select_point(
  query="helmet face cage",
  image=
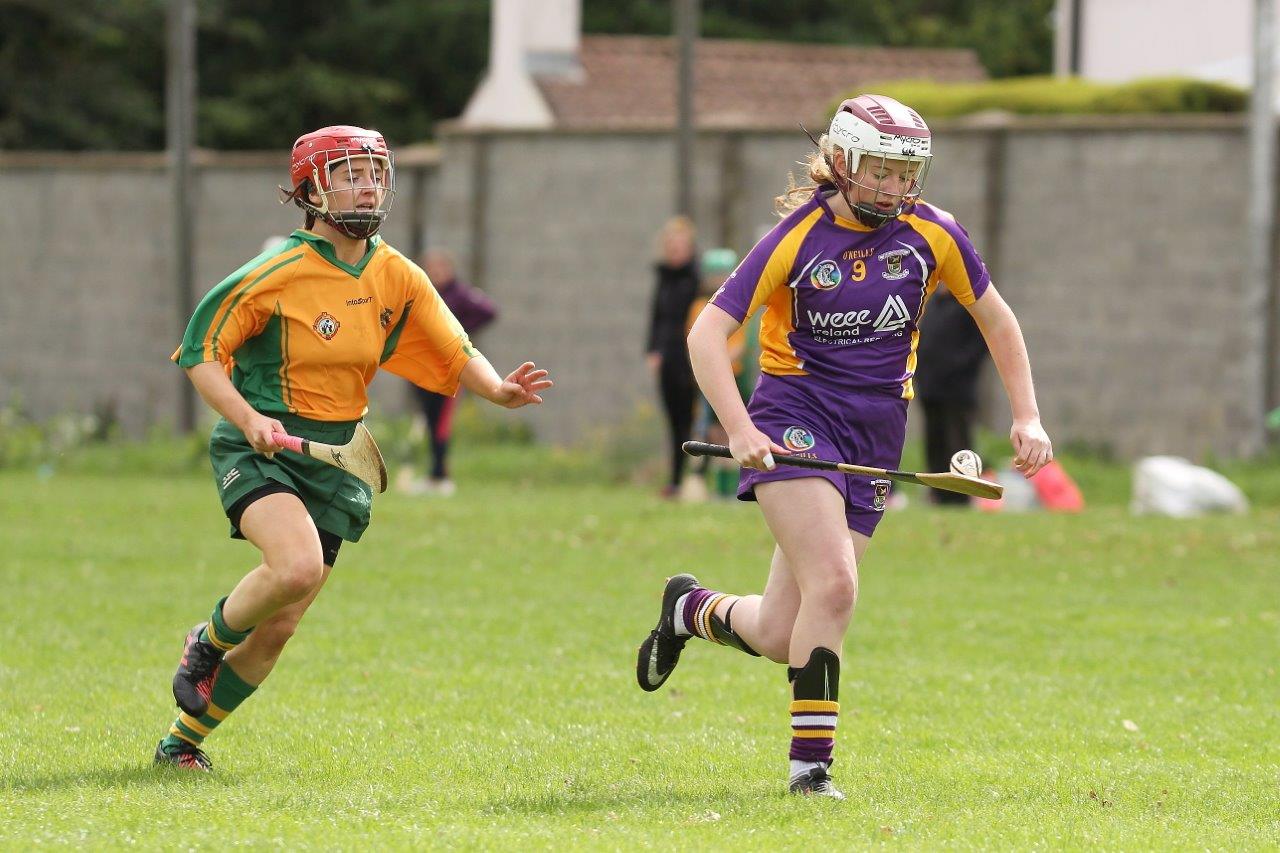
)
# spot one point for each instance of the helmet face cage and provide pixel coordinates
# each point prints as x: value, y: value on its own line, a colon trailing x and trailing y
x: 917, y: 167
x: 356, y: 186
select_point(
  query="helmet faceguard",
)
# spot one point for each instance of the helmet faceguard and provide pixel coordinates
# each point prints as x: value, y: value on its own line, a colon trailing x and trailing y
x: 351, y: 171
x: 879, y: 132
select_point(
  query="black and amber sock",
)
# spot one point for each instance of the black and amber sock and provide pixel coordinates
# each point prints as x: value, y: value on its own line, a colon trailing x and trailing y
x: 219, y: 634
x: 229, y: 690
x: 815, y: 708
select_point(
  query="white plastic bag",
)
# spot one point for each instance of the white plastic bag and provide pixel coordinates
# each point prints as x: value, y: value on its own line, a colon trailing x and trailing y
x: 1170, y: 485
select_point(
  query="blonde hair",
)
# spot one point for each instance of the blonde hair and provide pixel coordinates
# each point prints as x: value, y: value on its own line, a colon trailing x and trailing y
x: 679, y: 223
x: 819, y: 172
x: 675, y: 225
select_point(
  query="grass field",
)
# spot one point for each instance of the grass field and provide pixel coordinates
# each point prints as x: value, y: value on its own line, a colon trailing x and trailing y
x: 466, y: 680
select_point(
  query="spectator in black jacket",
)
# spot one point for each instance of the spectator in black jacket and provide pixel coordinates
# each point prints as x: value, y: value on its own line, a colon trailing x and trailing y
x: 949, y: 359
x: 667, y: 352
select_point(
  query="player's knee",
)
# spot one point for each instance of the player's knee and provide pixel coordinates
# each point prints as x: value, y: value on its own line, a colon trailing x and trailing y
x: 837, y: 587
x: 296, y: 575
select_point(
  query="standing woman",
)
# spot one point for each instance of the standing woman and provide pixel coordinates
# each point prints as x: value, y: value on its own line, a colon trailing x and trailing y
x: 289, y: 343
x: 474, y: 311
x: 667, y: 353
x: 844, y: 280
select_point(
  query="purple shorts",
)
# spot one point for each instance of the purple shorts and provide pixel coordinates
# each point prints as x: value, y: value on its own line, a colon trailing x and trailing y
x: 864, y: 429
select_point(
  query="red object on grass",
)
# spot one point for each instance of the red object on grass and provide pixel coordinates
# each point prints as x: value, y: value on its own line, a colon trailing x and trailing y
x: 1056, y: 490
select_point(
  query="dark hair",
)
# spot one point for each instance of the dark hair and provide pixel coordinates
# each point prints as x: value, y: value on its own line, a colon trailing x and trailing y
x: 299, y: 196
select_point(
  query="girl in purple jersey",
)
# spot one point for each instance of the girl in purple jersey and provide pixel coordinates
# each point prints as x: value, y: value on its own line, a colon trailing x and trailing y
x: 843, y: 280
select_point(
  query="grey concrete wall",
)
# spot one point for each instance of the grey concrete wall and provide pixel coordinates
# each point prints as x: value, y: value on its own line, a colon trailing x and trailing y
x: 1124, y: 255
x: 88, y: 309
x: 1120, y: 245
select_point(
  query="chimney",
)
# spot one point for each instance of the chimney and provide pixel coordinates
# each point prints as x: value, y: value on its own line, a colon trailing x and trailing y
x: 552, y: 39
x: 526, y: 37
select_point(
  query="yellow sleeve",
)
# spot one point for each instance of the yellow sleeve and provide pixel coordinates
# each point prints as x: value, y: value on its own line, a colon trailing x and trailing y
x: 235, y: 310
x: 425, y: 343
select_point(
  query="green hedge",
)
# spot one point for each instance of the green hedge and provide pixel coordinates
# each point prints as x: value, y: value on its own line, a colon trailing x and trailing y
x: 1056, y: 96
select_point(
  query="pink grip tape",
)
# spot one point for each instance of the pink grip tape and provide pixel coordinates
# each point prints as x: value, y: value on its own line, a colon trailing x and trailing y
x: 290, y: 442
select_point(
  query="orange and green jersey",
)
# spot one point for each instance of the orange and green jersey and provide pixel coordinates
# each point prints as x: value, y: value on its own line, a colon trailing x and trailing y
x: 842, y: 301
x: 303, y: 333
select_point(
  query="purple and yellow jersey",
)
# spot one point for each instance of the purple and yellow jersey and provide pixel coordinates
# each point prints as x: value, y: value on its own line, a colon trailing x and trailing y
x: 304, y: 333
x: 842, y: 301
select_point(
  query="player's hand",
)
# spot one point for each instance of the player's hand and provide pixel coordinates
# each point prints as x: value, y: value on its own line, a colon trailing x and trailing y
x: 257, y: 429
x: 521, y: 387
x: 753, y: 449
x: 1032, y: 449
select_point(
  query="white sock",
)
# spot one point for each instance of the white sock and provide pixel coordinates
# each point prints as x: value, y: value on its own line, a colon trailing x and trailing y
x: 682, y: 630
x: 800, y: 768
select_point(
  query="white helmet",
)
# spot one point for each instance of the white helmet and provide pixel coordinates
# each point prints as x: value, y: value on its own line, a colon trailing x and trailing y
x: 878, y: 126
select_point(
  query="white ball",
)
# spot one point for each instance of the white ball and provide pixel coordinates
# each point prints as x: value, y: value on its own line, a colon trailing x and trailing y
x: 966, y: 462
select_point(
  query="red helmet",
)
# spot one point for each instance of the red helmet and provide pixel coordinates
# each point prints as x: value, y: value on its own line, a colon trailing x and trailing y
x: 359, y: 205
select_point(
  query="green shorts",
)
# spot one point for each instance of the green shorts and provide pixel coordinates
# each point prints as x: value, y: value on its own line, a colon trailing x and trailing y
x: 335, y: 500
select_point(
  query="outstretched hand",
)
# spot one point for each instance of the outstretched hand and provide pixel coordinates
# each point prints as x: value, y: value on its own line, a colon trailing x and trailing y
x: 521, y: 387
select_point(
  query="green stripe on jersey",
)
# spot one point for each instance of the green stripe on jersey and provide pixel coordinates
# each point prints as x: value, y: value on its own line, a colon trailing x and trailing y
x: 192, y: 351
x: 243, y: 291
x: 394, y: 338
x: 259, y: 366
x: 284, y: 359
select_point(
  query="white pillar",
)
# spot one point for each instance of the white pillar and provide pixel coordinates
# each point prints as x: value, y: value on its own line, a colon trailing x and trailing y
x: 507, y: 97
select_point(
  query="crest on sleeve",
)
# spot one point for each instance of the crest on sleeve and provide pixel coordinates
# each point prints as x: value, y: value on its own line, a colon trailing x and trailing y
x: 326, y: 325
x: 881, y: 494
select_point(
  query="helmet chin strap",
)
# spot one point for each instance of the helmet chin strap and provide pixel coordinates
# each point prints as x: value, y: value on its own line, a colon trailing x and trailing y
x: 869, y: 216
x: 359, y: 226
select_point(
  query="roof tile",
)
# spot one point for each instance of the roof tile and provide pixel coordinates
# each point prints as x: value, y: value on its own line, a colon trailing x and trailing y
x: 630, y: 81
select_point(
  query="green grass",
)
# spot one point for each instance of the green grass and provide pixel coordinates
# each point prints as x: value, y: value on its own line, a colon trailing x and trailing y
x: 466, y: 679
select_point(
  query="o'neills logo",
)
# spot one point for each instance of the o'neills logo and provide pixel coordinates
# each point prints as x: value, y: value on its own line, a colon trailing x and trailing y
x: 326, y: 326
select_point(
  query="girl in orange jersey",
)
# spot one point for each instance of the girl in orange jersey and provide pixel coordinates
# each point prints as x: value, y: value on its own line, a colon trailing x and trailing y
x: 289, y: 343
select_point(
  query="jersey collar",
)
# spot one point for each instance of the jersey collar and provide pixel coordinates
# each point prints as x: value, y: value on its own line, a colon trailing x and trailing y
x: 325, y: 250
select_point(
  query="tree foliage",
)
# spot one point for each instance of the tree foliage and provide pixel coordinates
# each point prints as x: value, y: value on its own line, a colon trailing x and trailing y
x: 1011, y: 38
x: 89, y: 74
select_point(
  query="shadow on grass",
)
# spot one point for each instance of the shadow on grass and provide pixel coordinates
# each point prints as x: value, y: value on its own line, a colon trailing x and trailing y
x: 136, y: 776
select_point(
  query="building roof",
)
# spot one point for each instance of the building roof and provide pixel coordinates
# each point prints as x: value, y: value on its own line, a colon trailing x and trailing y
x: 630, y: 81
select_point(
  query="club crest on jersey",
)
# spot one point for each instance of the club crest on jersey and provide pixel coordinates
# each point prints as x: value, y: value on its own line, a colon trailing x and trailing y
x: 326, y: 325
x: 798, y: 438
x: 881, y: 494
x: 893, y: 268
x: 825, y: 276
x: 384, y: 317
